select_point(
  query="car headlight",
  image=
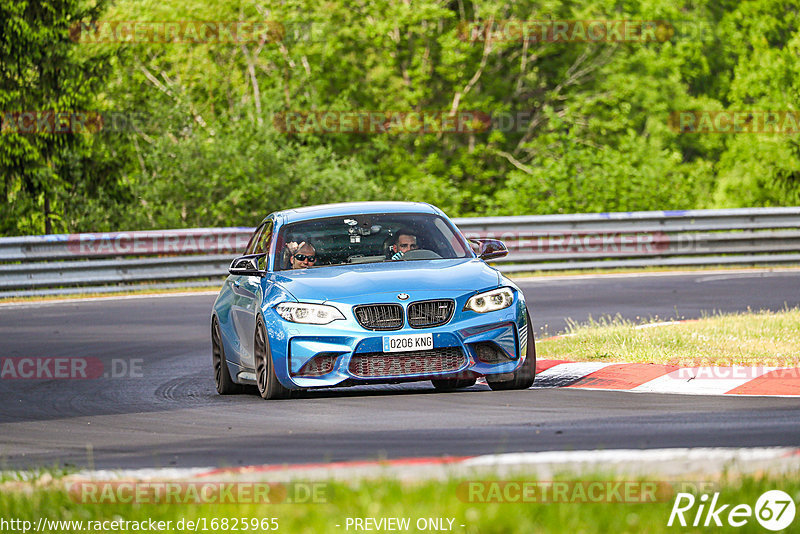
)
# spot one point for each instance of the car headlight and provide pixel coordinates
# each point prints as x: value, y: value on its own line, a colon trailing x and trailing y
x: 301, y: 312
x: 489, y: 301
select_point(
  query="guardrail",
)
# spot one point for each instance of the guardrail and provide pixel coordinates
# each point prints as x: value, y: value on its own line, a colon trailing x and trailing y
x: 100, y: 262
x: 103, y: 262
x: 746, y: 236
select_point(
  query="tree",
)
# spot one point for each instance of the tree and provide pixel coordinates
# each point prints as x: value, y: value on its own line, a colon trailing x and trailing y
x: 49, y: 159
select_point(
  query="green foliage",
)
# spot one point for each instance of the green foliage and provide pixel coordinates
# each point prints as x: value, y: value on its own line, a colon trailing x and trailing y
x: 48, y: 177
x: 596, y: 138
x: 763, y: 170
x: 568, y: 176
x: 240, y: 174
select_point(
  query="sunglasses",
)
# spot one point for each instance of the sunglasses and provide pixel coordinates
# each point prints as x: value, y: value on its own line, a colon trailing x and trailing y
x: 303, y: 257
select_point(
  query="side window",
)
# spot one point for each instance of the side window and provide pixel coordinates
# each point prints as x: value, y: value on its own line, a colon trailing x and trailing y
x: 251, y: 245
x: 264, y: 240
x: 262, y: 245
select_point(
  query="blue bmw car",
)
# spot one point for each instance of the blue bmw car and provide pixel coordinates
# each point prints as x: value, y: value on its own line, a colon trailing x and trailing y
x: 364, y: 293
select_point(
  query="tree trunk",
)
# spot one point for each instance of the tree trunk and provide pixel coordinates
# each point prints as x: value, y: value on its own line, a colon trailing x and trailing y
x: 48, y: 224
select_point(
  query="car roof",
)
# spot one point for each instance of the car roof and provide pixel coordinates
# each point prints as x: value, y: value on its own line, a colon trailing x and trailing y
x: 352, y: 208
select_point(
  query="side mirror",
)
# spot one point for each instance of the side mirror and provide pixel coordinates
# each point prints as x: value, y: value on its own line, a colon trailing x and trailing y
x: 246, y: 265
x: 489, y: 249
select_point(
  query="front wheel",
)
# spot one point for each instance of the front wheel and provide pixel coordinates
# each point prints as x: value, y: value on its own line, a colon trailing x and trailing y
x: 267, y: 382
x: 523, y: 377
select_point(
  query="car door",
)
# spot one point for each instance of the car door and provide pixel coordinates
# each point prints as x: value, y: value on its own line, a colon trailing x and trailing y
x: 247, y: 300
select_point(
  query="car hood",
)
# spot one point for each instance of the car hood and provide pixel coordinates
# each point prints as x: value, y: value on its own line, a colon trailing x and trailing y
x: 340, y: 282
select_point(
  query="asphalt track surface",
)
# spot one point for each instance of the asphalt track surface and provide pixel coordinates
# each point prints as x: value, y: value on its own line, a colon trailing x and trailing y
x: 169, y: 414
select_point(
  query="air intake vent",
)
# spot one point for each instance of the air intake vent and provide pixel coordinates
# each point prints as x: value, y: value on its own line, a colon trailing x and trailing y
x: 319, y: 365
x: 413, y: 363
x: 380, y: 316
x: 429, y: 313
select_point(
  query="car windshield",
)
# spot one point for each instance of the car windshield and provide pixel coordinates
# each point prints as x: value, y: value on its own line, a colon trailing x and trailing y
x: 372, y: 238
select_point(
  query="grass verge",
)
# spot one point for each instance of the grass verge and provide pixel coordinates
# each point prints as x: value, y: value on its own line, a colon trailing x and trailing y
x: 457, y: 505
x: 121, y: 293
x: 754, y: 338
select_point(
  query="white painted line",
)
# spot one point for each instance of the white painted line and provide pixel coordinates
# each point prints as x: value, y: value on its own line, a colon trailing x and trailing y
x: 655, y: 325
x: 40, y: 303
x: 703, y: 380
x: 590, y: 276
x: 141, y: 474
x: 710, y: 459
x: 570, y: 371
x: 630, y: 455
x: 718, y: 277
x: 762, y: 395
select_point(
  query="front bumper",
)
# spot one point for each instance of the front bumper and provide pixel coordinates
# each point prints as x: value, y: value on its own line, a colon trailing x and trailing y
x: 344, y: 353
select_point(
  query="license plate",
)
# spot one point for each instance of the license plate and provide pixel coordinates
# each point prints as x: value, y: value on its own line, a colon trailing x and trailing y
x: 407, y: 342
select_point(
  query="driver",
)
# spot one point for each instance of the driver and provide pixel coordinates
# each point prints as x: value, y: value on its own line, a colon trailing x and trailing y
x: 405, y: 240
x: 302, y: 255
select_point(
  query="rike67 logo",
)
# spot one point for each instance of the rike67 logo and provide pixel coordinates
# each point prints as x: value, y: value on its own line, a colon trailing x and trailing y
x: 774, y: 510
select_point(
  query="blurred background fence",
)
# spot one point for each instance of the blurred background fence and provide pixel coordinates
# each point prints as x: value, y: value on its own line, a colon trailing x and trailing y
x: 199, y: 257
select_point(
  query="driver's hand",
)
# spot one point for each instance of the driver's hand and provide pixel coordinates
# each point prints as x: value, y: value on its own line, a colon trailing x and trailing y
x: 293, y: 246
x: 397, y: 256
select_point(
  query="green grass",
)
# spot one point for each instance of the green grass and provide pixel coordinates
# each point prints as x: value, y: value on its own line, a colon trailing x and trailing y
x: 755, y: 338
x: 44, y: 474
x: 391, y: 498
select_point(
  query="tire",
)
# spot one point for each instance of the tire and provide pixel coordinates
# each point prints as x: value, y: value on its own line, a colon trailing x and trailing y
x: 267, y: 382
x: 526, y: 373
x: 222, y: 375
x: 443, y: 384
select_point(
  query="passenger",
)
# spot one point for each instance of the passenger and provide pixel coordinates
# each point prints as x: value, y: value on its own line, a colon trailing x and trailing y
x: 405, y: 240
x: 301, y: 255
